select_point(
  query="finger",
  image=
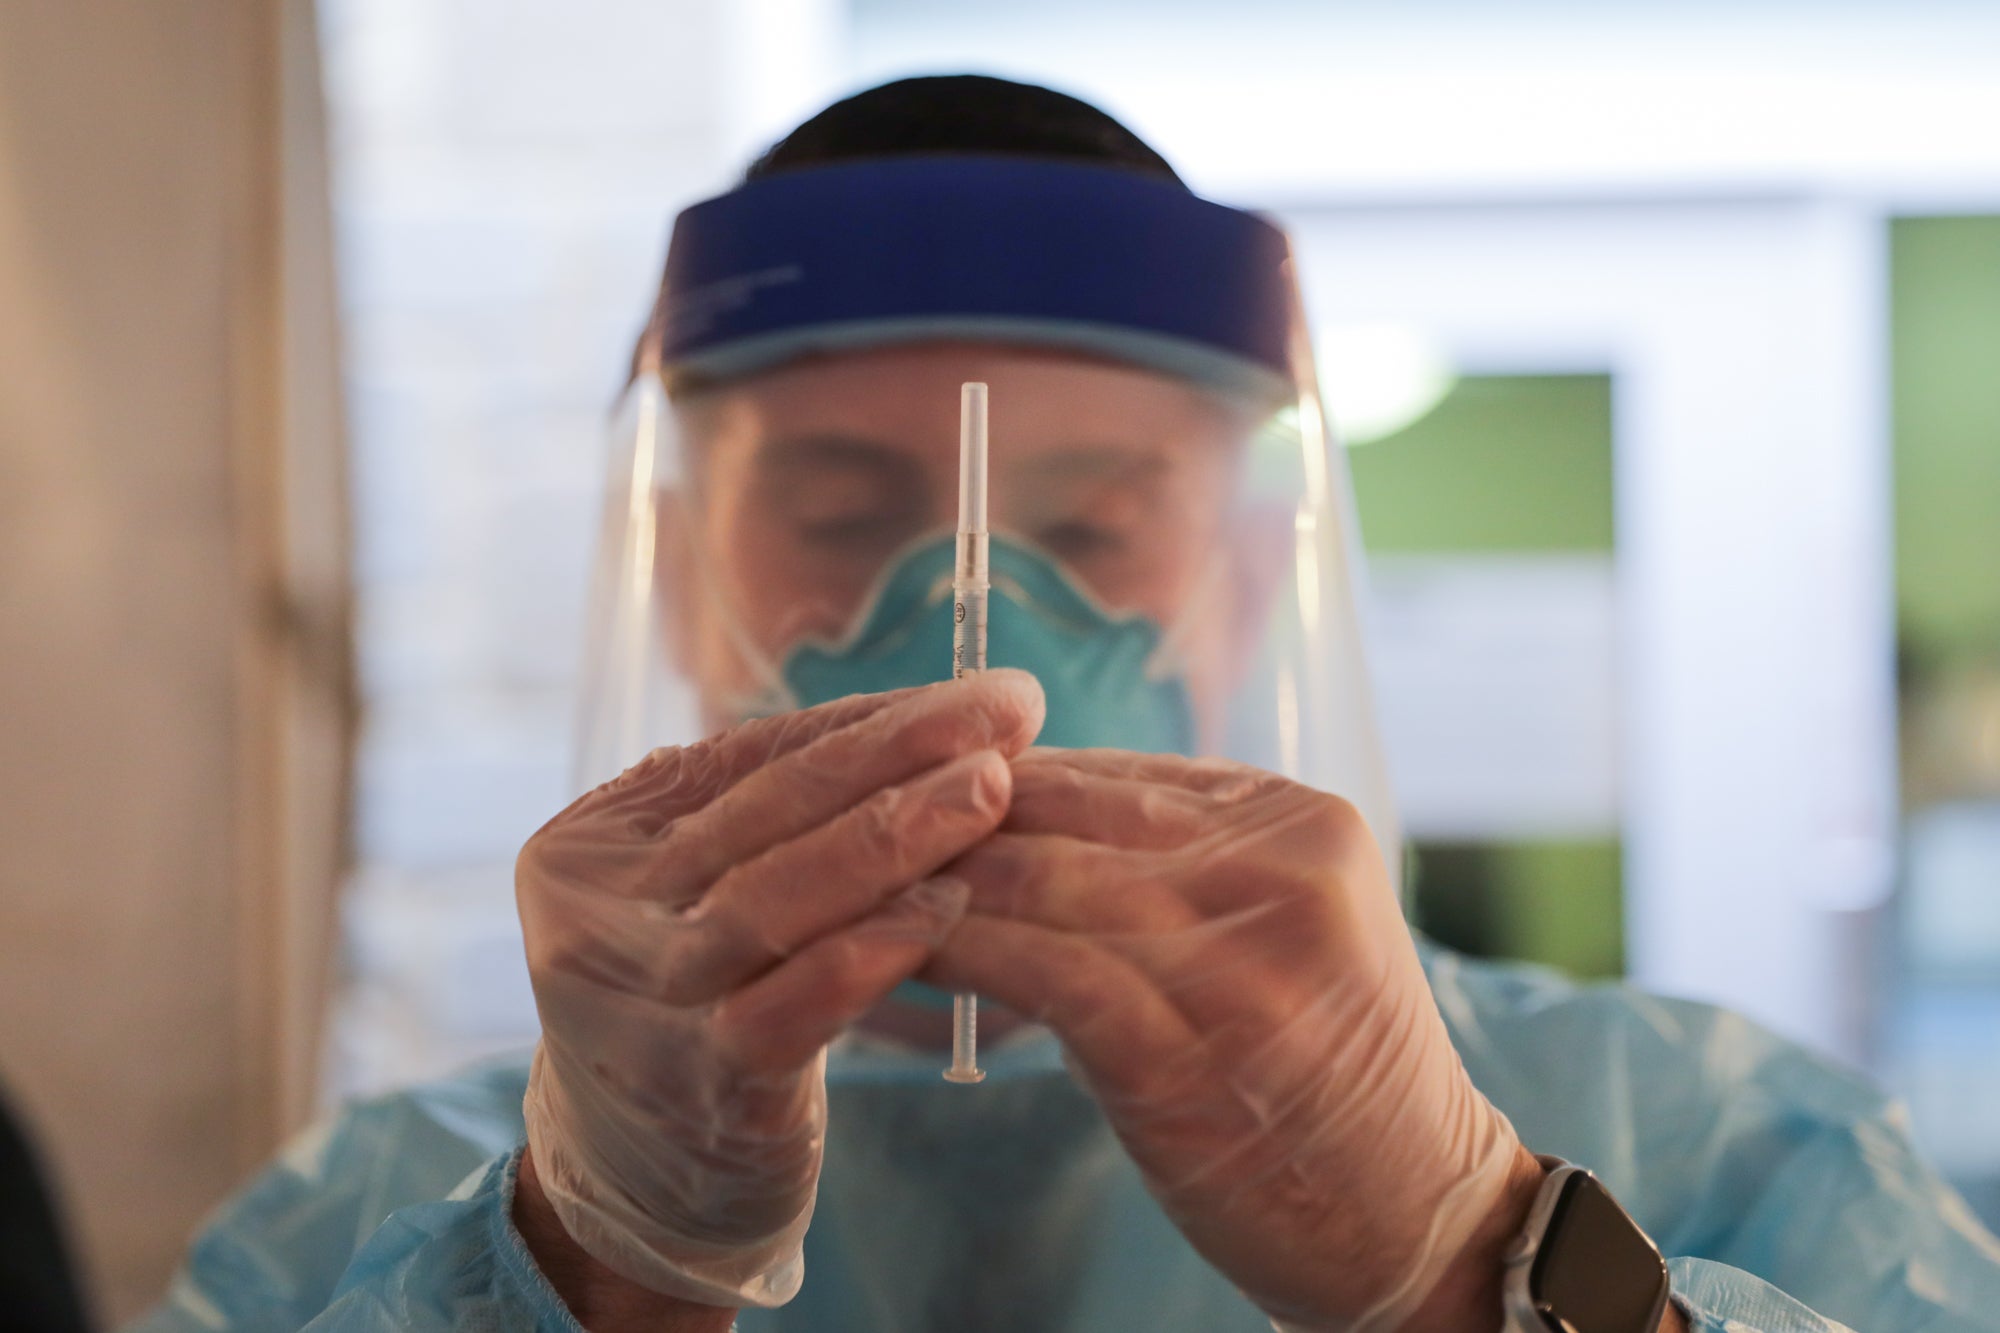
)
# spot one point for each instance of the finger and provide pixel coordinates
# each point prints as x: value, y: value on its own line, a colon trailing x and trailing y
x: 1072, y: 885
x: 996, y: 710
x: 1194, y: 813
x: 780, y: 1021
x: 1123, y: 812
x: 1219, y: 779
x: 774, y: 905
x: 1077, y: 882
x: 1106, y: 1011
x: 1220, y: 947
x: 676, y: 778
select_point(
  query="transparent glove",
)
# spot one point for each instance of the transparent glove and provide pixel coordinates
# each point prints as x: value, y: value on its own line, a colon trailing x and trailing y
x: 699, y: 928
x: 1226, y: 963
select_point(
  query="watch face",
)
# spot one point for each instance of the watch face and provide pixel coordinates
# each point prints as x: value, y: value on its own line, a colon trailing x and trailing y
x: 1595, y: 1271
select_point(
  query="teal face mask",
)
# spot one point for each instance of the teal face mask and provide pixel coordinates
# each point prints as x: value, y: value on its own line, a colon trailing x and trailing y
x: 1102, y: 675
x: 1105, y: 677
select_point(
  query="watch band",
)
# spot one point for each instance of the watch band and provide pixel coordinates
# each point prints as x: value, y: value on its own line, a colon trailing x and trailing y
x: 1588, y: 1269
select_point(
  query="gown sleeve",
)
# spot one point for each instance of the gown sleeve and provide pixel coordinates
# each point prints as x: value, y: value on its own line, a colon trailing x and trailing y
x: 395, y: 1213
x: 1784, y: 1189
x: 454, y: 1264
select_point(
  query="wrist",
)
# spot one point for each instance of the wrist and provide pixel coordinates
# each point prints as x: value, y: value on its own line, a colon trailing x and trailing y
x: 600, y: 1298
x: 1468, y: 1297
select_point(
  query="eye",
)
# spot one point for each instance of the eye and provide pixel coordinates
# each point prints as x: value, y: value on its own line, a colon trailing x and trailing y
x: 838, y: 498
x: 1075, y: 540
x: 862, y: 533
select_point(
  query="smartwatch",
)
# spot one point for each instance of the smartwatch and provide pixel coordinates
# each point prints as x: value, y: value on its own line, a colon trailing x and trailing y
x: 1582, y: 1265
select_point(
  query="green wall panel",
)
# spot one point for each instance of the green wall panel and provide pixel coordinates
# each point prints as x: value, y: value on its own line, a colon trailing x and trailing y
x: 1514, y: 463
x: 1945, y: 375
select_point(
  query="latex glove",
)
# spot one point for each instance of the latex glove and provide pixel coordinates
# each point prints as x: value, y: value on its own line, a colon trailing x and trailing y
x: 699, y: 928
x: 1224, y: 959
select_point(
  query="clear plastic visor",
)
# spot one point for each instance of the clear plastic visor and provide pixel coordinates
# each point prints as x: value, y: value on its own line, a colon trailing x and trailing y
x: 1175, y: 561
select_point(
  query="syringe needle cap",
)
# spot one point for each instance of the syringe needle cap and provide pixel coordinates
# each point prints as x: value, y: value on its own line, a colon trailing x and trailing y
x: 972, y: 457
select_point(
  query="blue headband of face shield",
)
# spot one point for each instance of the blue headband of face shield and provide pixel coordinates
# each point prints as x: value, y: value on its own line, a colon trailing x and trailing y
x: 990, y: 248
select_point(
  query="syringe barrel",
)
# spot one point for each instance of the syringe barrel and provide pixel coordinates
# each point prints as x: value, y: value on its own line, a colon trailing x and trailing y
x: 968, y: 620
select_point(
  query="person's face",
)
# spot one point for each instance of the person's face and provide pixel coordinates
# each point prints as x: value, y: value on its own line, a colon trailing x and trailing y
x: 808, y: 479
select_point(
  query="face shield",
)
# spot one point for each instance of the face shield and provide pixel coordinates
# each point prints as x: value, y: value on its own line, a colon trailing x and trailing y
x: 1173, y: 550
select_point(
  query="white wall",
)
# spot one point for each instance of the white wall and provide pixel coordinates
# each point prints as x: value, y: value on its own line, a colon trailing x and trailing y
x: 506, y: 176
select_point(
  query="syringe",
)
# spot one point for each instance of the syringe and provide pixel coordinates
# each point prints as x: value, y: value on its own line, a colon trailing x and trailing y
x: 969, y: 587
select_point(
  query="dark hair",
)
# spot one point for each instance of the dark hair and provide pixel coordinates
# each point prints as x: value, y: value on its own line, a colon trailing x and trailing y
x: 960, y: 113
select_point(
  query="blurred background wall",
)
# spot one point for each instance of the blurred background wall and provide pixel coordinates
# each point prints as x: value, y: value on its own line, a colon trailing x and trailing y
x: 1666, y: 337
x: 174, y: 699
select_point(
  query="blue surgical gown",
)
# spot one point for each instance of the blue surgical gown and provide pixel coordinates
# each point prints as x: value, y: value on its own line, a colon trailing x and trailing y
x: 1784, y: 1190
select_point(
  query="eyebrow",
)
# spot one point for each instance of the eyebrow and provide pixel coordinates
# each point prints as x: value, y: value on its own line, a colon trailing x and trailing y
x: 1096, y: 462
x: 819, y: 449
x: 800, y: 453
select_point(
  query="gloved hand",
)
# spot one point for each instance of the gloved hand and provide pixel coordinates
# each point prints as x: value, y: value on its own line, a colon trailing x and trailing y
x: 700, y: 927
x: 1223, y: 956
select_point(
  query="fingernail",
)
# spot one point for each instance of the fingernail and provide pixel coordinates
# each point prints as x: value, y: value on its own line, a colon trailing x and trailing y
x: 977, y: 783
x: 1024, y: 688
x: 943, y: 896
x: 925, y: 912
